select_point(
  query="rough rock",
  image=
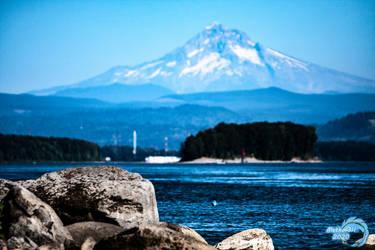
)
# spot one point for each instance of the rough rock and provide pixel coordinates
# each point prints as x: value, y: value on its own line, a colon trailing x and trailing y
x: 153, y: 236
x: 248, y: 239
x: 20, y: 243
x: 3, y: 245
x: 370, y: 243
x: 28, y: 219
x: 88, y: 244
x: 97, y: 230
x: 4, y: 187
x: 106, y: 194
x: 184, y: 230
x: 52, y: 246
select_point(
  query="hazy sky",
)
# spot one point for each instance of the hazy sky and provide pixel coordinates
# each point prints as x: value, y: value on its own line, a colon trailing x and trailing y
x: 50, y: 43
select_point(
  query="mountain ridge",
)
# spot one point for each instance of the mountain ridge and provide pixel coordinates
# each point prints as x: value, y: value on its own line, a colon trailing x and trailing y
x: 101, y: 122
x: 275, y: 104
x: 118, y: 93
x: 28, y: 101
x: 222, y: 59
x: 268, y: 104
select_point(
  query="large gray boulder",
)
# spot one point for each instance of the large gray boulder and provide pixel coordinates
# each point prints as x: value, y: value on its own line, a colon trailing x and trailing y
x: 154, y: 236
x: 28, y: 220
x: 106, y: 194
x: 187, y: 231
x: 4, y: 187
x: 81, y: 231
x: 254, y: 239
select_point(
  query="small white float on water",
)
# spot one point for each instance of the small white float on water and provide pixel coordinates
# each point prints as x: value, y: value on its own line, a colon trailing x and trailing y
x: 162, y: 159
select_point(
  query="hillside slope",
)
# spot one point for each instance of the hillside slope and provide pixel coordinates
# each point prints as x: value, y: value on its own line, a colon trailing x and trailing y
x: 357, y: 127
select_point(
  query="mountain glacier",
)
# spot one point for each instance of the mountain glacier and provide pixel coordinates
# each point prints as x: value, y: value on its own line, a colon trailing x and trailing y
x: 223, y: 59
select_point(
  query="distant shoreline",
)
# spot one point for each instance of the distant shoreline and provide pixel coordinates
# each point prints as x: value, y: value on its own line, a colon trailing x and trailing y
x: 207, y: 160
x: 202, y: 160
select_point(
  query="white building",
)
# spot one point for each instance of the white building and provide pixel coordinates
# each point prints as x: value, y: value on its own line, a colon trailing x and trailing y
x: 162, y: 159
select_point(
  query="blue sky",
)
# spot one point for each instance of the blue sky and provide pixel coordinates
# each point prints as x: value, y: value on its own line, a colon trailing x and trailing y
x: 51, y: 43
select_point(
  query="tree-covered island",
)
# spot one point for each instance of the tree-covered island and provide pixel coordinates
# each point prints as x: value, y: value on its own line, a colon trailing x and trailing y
x: 262, y: 140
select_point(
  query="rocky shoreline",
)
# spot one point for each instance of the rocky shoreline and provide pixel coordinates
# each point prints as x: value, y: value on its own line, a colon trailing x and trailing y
x: 98, y: 208
x: 101, y: 207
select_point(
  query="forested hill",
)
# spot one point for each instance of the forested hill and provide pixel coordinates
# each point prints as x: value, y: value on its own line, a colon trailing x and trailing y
x: 262, y: 140
x: 356, y: 127
x: 36, y: 148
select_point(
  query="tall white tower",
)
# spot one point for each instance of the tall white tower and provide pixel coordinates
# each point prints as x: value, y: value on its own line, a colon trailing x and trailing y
x: 134, y: 142
x: 166, y: 144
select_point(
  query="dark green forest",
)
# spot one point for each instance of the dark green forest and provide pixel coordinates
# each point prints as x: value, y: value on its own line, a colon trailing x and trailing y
x: 125, y: 153
x: 353, y: 127
x: 345, y: 151
x: 262, y: 140
x: 36, y: 148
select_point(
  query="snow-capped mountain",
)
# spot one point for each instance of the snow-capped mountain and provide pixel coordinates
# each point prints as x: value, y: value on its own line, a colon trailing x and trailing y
x: 222, y: 59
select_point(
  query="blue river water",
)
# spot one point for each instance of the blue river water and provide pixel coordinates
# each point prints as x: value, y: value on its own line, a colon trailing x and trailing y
x: 294, y: 203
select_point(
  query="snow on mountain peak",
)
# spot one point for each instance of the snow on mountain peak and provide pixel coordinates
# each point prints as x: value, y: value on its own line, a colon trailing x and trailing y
x: 206, y: 65
x: 171, y: 64
x: 220, y: 59
x: 289, y: 60
x: 194, y: 52
x: 215, y: 25
x: 247, y: 54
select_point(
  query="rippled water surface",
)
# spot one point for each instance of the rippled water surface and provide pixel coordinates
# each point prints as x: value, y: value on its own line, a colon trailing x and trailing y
x: 294, y: 203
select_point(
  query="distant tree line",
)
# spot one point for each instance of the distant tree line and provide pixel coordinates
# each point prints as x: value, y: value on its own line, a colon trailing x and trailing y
x: 125, y: 153
x: 266, y: 141
x: 262, y: 140
x: 345, y: 151
x: 36, y: 148
x: 354, y: 127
